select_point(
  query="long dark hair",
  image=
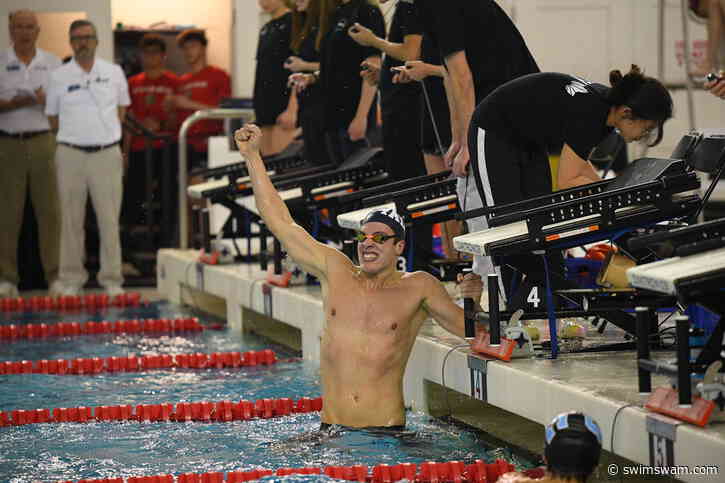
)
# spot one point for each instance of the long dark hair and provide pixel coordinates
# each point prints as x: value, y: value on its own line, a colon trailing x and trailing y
x: 319, y: 14
x: 645, y: 96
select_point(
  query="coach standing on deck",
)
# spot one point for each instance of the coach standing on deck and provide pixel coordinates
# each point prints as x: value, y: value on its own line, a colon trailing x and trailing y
x: 87, y: 100
x: 481, y: 49
x: 27, y: 148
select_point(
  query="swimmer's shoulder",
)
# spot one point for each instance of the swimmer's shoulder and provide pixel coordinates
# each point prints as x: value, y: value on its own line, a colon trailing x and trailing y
x: 425, y: 285
x: 336, y: 260
x: 419, y: 279
x: 420, y: 275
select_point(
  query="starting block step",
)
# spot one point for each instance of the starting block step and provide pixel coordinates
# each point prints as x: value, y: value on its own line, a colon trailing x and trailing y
x: 665, y: 400
x: 510, y: 347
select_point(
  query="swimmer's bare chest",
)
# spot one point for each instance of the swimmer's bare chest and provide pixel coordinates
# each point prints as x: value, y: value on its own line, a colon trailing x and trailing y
x: 373, y: 327
x: 368, y: 336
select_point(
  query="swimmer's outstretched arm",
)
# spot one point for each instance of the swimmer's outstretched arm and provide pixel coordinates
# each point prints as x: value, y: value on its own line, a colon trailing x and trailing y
x: 303, y: 249
x: 440, y: 305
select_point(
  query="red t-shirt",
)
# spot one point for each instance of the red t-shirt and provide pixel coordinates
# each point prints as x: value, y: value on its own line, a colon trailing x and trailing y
x: 147, y: 97
x: 207, y: 86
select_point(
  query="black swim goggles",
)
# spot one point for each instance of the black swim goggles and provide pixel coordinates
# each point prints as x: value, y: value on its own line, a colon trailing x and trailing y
x: 378, y: 238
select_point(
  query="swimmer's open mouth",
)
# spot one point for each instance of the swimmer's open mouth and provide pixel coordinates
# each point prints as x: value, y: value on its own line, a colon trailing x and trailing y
x: 370, y: 256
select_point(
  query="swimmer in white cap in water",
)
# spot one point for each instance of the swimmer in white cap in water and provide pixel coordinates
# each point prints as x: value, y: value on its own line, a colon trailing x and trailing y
x: 573, y: 446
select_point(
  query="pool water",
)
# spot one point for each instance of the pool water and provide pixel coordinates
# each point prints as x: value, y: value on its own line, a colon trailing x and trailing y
x: 70, y: 451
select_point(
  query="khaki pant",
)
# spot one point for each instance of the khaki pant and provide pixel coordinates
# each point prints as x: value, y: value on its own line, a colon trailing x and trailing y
x: 28, y: 164
x: 100, y: 174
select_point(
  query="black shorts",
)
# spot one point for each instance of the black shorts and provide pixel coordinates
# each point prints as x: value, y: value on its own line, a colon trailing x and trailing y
x: 383, y: 430
x: 310, y: 116
x: 328, y: 431
x: 439, y: 105
x: 506, y: 172
x: 401, y: 143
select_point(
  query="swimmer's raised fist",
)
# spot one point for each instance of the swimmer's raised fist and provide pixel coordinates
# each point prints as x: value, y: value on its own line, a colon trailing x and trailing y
x: 248, y: 138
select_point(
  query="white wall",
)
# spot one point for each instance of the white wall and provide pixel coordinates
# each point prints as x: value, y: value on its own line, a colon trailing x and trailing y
x: 97, y: 11
x: 592, y: 37
x: 54, y: 31
x: 248, y: 20
x: 213, y: 15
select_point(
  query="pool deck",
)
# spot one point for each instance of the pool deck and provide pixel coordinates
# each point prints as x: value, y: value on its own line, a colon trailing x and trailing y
x: 601, y: 384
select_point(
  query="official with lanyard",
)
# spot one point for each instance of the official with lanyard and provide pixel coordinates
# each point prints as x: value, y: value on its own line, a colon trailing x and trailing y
x: 87, y: 100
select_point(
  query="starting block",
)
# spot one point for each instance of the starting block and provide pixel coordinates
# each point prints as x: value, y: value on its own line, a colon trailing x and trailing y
x: 665, y: 400
x: 278, y: 280
x: 289, y: 273
x: 712, y: 386
x: 209, y: 258
x: 515, y: 341
x: 219, y: 254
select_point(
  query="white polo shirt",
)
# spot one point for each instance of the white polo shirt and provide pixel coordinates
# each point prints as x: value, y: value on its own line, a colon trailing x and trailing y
x: 16, y: 78
x: 86, y: 103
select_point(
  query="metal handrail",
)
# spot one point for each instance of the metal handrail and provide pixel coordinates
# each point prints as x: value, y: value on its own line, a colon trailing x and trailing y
x: 197, y: 116
x: 686, y: 52
x: 136, y: 128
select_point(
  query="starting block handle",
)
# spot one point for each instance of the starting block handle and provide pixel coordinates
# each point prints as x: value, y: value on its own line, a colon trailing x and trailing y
x: 469, y: 313
x: 277, y: 257
x: 469, y: 309
x: 494, y: 318
x: 262, y: 245
x: 684, y: 387
x: 643, y: 316
x: 205, y: 236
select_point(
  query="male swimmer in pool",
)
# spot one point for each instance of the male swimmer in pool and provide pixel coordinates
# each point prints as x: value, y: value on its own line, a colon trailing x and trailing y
x: 373, y: 311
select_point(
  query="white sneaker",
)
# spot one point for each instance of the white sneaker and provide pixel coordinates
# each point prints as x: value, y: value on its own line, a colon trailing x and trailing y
x: 113, y: 290
x: 58, y: 288
x: 8, y: 289
x: 128, y: 270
